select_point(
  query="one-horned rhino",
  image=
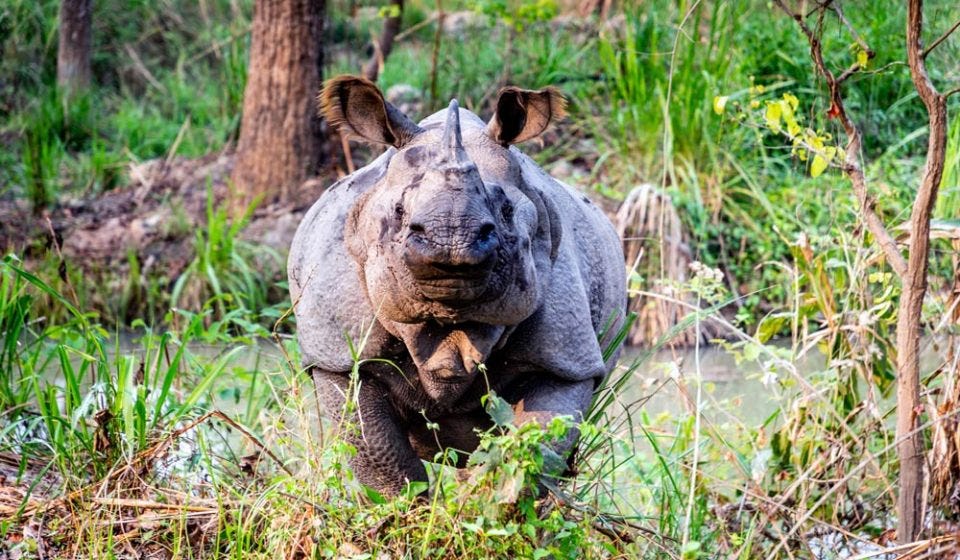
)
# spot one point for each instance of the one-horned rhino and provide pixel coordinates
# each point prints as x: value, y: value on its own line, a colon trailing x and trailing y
x: 462, y: 267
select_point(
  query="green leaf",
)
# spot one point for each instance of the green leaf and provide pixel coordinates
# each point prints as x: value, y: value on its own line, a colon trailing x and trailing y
x: 414, y: 489
x: 391, y: 11
x: 499, y: 410
x: 373, y: 495
x: 818, y: 166
x: 691, y: 550
x: 770, y: 326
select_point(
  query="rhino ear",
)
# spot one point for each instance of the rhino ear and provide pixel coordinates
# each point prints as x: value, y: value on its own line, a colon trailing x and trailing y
x: 523, y: 114
x: 357, y: 108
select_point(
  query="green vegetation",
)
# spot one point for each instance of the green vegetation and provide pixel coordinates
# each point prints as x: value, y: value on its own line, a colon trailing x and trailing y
x: 191, y: 432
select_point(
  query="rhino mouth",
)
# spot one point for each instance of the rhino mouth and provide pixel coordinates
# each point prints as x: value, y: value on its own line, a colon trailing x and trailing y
x: 454, y: 289
x: 455, y: 283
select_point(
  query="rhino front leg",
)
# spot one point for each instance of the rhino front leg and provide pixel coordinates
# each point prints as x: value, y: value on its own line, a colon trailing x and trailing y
x: 385, y: 459
x: 542, y: 399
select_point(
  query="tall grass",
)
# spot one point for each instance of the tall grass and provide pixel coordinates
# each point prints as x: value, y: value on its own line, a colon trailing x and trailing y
x: 165, y: 77
x: 226, y: 268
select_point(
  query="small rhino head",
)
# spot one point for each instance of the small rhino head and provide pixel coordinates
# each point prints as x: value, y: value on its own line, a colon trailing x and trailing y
x: 450, y: 231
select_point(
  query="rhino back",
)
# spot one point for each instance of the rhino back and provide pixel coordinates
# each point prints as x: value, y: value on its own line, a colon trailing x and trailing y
x: 328, y: 300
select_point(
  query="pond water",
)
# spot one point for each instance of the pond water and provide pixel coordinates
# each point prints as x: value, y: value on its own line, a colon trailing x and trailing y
x: 667, y: 381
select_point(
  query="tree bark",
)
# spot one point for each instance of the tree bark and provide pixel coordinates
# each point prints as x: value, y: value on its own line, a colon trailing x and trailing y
x: 75, y: 45
x: 280, y: 137
x: 910, y: 447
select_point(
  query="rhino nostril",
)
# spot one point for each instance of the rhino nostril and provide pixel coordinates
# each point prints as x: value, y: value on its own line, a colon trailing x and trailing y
x: 486, y: 230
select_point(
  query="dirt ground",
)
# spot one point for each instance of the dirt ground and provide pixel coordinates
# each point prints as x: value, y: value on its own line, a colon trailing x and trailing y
x: 155, y: 216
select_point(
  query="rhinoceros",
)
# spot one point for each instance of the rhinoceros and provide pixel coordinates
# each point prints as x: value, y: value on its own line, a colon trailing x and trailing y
x: 450, y: 266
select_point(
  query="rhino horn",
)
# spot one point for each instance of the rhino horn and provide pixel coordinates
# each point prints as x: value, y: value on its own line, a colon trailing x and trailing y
x: 452, y: 141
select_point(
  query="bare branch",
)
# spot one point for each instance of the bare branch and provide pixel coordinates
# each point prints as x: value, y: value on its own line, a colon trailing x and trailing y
x: 850, y: 71
x: 856, y: 36
x: 953, y: 91
x: 941, y: 39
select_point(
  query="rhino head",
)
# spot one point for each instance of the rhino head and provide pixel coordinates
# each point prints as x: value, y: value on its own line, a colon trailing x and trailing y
x: 452, y: 245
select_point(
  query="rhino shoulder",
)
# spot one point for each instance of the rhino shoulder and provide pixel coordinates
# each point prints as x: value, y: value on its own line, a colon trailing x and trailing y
x: 585, y: 300
x: 327, y: 297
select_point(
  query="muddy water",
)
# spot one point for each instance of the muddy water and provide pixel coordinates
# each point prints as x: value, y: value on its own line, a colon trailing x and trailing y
x: 669, y: 381
x: 743, y: 391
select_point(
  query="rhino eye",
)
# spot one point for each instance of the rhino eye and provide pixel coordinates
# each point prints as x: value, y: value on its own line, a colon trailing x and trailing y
x: 398, y: 211
x: 507, y: 211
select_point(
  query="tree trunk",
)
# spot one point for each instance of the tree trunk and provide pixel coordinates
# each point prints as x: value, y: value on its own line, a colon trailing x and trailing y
x: 910, y: 447
x: 73, y: 52
x: 280, y: 138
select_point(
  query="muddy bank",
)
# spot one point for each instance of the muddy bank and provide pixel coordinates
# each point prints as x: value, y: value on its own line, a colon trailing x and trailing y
x: 155, y: 216
x: 144, y: 233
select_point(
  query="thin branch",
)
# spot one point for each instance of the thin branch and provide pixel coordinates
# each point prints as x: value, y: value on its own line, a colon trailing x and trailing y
x: 953, y: 91
x: 941, y: 39
x: 910, y: 502
x: 383, y: 45
x: 852, y: 164
x: 856, y: 36
x: 850, y: 71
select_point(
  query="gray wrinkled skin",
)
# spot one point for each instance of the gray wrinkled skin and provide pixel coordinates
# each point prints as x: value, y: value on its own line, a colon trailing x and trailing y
x: 449, y: 252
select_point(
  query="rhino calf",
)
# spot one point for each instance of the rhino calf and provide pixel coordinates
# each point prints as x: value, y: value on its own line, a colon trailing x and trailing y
x: 450, y: 251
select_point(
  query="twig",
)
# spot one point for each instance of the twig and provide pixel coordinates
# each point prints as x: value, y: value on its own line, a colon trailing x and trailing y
x: 856, y: 469
x: 414, y: 28
x: 215, y: 46
x: 940, y: 39
x: 150, y: 504
x: 142, y: 68
x: 853, y: 31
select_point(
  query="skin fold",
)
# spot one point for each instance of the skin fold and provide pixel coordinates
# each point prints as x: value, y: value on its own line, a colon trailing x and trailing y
x: 449, y: 252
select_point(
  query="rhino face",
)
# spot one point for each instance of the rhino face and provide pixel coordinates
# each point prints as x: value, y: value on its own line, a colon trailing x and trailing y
x: 453, y: 233
x: 448, y: 233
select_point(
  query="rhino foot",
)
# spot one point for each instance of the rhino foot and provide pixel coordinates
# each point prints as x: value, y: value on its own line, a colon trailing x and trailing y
x: 385, y: 460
